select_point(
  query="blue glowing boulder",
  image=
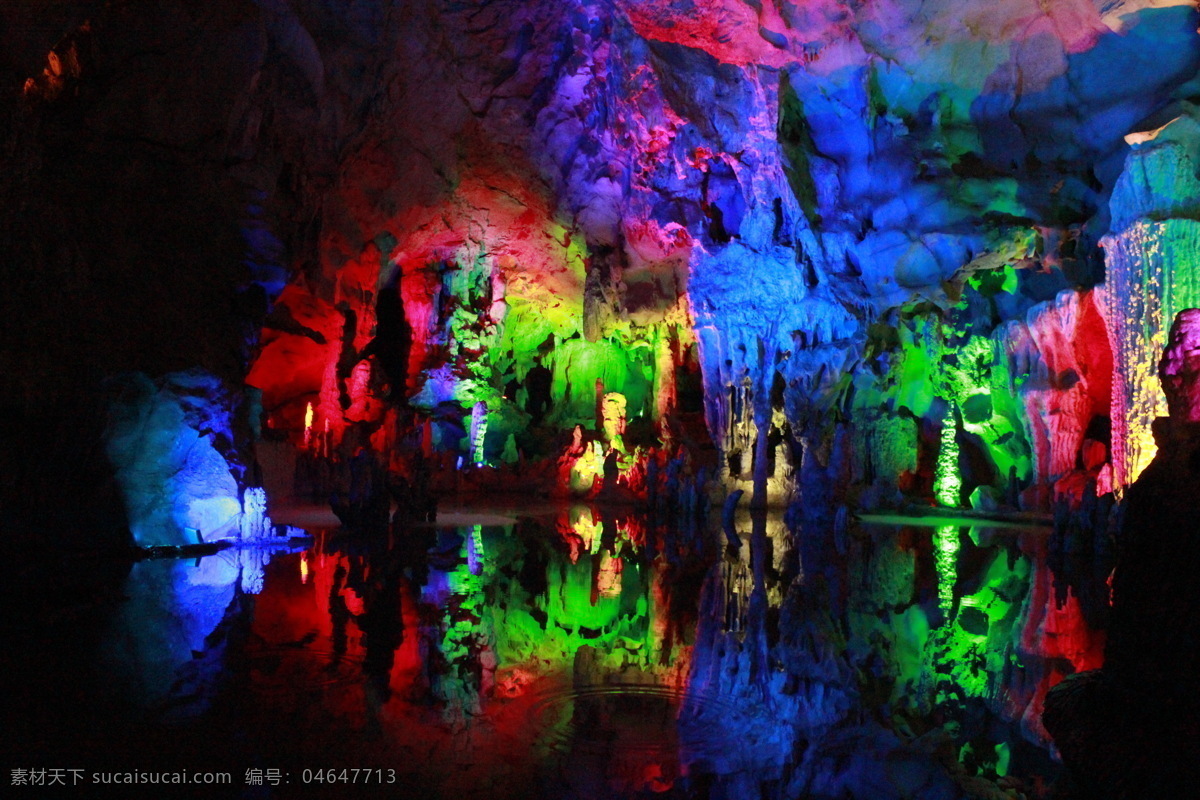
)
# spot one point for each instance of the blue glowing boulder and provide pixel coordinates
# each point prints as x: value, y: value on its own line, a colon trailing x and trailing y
x: 178, y: 488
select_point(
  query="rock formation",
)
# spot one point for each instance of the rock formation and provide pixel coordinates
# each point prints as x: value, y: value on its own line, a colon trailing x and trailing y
x: 780, y: 215
x: 1134, y: 723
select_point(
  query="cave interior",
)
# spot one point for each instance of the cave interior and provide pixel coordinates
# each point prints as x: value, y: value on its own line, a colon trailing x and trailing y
x: 603, y: 398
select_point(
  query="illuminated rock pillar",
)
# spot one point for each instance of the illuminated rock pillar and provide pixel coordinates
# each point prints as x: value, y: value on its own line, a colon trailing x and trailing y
x: 612, y: 413
x: 254, y: 523
x: 762, y: 445
x: 1153, y: 272
x: 479, y: 425
x: 665, y: 391
x: 947, y: 484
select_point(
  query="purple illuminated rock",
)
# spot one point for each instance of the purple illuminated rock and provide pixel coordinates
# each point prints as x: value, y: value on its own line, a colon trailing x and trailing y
x: 1179, y: 369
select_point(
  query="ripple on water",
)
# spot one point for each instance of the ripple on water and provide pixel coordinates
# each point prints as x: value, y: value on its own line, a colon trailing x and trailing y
x: 650, y: 719
x: 283, y: 669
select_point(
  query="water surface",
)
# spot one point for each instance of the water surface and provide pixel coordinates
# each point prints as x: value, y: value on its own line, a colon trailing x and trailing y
x: 580, y: 655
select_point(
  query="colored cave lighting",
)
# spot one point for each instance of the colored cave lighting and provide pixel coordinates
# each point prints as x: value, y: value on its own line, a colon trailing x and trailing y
x: 475, y: 551
x: 479, y: 426
x: 308, y: 421
x: 254, y: 522
x: 587, y: 469
x: 598, y: 598
x: 947, y: 484
x: 612, y: 412
x: 466, y: 630
x: 973, y: 650
x: 304, y: 567
x: 608, y: 579
x: 588, y: 529
x: 946, y: 544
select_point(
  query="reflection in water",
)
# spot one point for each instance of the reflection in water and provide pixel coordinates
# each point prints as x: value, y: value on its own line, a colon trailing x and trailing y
x: 609, y: 656
x: 945, y: 548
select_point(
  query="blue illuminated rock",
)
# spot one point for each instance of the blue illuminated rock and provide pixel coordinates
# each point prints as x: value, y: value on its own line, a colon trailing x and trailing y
x: 178, y: 489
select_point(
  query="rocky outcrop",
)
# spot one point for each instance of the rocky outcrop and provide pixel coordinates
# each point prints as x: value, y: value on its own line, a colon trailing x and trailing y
x: 177, y: 486
x: 1147, y: 685
x: 1061, y: 367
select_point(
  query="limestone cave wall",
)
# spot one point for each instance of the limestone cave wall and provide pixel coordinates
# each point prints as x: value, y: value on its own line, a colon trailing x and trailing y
x: 894, y: 233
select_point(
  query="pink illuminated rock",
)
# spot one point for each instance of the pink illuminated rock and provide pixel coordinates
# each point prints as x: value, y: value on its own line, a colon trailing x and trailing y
x: 1061, y: 365
x: 1179, y: 369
